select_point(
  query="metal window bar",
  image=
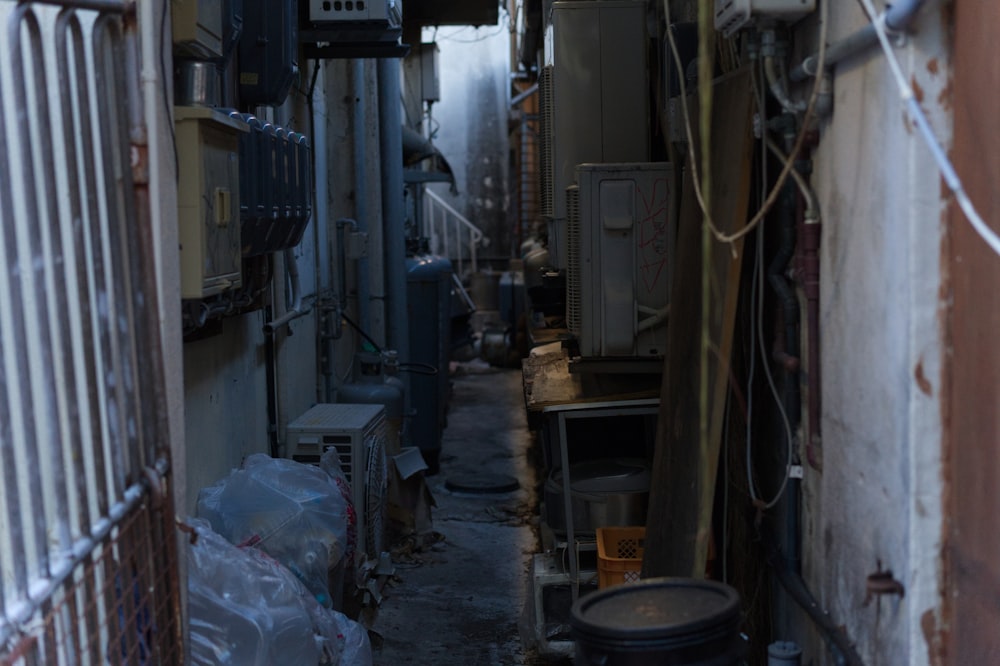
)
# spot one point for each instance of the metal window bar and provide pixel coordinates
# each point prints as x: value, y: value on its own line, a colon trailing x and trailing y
x: 444, y: 224
x: 88, y: 560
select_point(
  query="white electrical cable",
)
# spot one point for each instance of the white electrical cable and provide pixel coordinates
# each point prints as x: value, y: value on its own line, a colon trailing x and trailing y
x: 799, y: 141
x: 913, y: 106
x: 774, y: 389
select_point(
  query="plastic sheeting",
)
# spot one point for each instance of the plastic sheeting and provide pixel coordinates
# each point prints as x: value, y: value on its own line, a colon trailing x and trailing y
x: 298, y: 514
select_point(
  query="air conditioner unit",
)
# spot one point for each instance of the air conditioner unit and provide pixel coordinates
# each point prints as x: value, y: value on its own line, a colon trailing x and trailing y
x: 353, y: 20
x: 732, y: 15
x: 358, y: 433
x: 595, y: 103
x: 621, y: 236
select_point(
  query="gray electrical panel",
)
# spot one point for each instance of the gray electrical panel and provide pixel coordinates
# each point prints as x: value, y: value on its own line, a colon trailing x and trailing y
x: 268, y: 51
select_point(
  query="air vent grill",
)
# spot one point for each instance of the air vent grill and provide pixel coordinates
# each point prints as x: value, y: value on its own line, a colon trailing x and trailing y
x: 545, y: 143
x: 573, y: 259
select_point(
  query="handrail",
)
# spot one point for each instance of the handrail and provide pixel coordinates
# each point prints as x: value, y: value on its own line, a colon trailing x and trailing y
x: 476, y: 235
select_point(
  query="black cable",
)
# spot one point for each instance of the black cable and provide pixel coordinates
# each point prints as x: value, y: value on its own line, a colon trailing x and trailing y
x: 424, y: 369
x: 166, y: 96
x: 362, y: 333
x: 312, y: 83
x: 415, y: 368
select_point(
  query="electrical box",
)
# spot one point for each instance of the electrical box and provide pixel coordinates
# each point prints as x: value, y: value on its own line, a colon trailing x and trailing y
x: 430, y: 72
x: 732, y: 15
x: 358, y: 433
x: 353, y: 20
x: 275, y: 187
x: 389, y: 12
x: 208, y: 196
x: 596, y: 102
x: 198, y: 28
x: 621, y: 241
x: 268, y: 51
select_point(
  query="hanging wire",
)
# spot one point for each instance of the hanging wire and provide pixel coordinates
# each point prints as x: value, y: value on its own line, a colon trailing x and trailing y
x: 917, y: 114
x: 799, y: 140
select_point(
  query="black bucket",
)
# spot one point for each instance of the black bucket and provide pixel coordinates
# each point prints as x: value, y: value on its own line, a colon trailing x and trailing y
x: 661, y: 622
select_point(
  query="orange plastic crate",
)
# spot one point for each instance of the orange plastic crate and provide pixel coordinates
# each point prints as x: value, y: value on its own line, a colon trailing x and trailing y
x: 619, y: 555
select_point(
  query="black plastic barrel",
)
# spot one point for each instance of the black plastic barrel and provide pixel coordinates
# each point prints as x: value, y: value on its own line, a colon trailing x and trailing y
x: 661, y: 622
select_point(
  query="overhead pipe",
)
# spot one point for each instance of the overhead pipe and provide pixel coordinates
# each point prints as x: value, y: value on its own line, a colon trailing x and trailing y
x: 393, y: 210
x: 897, y: 18
x: 297, y: 310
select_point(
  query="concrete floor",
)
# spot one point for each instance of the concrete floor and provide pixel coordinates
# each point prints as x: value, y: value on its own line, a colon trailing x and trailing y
x: 459, y: 598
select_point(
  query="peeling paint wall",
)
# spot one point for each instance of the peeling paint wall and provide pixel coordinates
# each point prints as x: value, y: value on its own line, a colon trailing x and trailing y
x: 878, y: 500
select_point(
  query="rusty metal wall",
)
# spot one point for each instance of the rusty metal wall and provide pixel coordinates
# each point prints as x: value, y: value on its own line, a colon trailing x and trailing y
x: 973, y: 425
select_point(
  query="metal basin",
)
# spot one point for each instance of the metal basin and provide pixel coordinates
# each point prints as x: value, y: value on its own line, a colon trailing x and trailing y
x: 604, y: 493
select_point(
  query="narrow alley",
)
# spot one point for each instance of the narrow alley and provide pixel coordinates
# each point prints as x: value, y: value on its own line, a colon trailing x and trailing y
x: 458, y: 596
x: 499, y: 333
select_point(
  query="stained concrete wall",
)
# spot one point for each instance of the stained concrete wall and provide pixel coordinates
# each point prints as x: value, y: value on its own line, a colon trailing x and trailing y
x: 225, y: 376
x: 878, y: 499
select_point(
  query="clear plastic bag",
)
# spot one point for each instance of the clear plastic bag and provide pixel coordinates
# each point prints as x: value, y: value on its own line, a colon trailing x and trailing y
x: 246, y: 609
x: 296, y: 513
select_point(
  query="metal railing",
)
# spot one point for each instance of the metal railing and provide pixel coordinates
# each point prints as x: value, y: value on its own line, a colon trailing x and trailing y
x: 88, y: 556
x: 451, y: 234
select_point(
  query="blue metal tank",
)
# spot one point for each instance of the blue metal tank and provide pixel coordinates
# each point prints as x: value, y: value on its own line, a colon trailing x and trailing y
x: 428, y: 290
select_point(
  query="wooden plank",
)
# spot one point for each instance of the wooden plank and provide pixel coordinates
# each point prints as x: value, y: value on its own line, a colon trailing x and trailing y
x: 548, y: 382
x: 676, y: 540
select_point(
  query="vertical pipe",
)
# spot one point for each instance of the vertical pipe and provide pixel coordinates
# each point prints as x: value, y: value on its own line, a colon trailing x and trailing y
x: 69, y: 30
x: 361, y: 212
x: 32, y: 307
x: 567, y: 489
x: 811, y: 239
x: 393, y: 212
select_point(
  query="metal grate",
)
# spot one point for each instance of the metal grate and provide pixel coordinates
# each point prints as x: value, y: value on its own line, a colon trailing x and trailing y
x: 545, y: 140
x: 88, y: 570
x: 573, y: 291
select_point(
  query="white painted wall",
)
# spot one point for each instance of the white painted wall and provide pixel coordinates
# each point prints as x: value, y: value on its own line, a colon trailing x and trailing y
x: 879, y: 495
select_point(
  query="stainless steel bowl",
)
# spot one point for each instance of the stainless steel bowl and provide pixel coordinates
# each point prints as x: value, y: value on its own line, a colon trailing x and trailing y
x: 603, y: 493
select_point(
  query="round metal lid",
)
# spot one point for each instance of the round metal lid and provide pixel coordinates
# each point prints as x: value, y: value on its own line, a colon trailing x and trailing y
x: 657, y: 608
x: 482, y: 483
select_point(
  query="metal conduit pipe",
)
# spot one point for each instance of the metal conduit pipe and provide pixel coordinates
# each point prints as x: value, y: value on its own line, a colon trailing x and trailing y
x: 897, y: 18
x: 788, y: 352
x: 296, y: 311
x: 840, y: 646
x: 361, y: 186
x: 393, y: 211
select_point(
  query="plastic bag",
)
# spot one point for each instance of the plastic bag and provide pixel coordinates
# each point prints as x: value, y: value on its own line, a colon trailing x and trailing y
x: 296, y: 513
x: 245, y: 608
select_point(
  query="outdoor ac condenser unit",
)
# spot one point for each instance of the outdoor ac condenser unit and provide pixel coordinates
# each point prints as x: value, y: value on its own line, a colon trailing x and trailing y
x: 351, y: 20
x: 359, y: 434
x: 594, y: 99
x: 621, y: 238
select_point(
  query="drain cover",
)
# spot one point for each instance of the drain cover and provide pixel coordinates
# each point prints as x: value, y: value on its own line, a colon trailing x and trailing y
x: 482, y: 483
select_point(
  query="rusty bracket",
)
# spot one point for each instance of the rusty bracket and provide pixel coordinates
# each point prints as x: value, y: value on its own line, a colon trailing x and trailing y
x: 881, y: 583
